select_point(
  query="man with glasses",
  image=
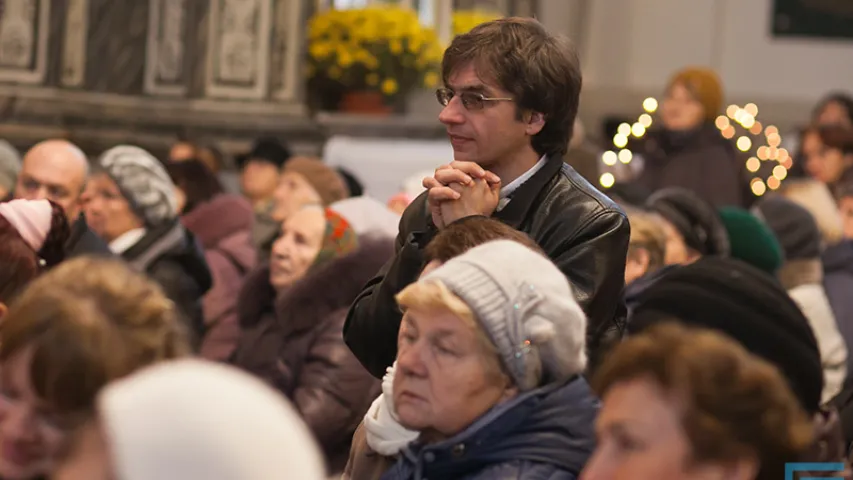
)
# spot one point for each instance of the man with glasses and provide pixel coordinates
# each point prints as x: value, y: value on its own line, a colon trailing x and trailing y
x: 510, y: 97
x: 56, y: 170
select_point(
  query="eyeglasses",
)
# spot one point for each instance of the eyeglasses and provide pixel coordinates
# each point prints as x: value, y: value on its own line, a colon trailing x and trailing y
x: 470, y: 100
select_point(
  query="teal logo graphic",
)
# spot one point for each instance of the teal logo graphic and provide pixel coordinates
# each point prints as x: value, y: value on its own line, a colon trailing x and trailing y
x: 790, y: 468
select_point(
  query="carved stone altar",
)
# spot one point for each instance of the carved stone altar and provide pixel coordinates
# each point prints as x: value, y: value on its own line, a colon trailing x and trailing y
x: 143, y: 71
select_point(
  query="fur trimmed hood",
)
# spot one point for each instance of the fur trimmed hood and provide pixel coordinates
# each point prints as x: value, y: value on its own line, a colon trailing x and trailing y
x: 333, y: 286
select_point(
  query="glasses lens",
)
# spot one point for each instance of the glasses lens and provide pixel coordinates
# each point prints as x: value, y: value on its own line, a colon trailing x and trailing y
x: 472, y: 101
x: 443, y: 95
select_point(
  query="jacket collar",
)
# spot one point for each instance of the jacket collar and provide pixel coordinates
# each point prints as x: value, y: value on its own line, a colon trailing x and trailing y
x: 155, y: 243
x: 515, y: 430
x: 524, y: 197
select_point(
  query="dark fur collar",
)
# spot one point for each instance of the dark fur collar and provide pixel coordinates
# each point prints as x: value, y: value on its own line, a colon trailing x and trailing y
x: 331, y: 287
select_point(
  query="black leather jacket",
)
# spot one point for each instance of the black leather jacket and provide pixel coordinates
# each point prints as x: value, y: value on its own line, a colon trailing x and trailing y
x: 582, y: 231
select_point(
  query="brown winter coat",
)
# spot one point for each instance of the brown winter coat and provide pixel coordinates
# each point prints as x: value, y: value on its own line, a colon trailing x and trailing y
x: 364, y: 463
x: 223, y: 226
x: 295, y: 343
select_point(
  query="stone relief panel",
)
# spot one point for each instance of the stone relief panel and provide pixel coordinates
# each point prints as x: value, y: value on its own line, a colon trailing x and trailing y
x: 74, y: 43
x: 286, y: 55
x: 166, y: 47
x: 239, y: 37
x: 23, y: 40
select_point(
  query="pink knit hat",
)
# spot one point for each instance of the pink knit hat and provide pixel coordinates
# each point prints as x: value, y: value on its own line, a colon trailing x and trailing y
x: 31, y: 218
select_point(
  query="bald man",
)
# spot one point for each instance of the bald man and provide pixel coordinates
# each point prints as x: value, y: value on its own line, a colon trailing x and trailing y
x: 57, y: 170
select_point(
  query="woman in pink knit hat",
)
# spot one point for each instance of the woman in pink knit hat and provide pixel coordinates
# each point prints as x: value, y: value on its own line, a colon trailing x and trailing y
x: 32, y: 235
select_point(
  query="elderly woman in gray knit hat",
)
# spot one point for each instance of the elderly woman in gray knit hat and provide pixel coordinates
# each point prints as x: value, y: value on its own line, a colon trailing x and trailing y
x: 130, y: 202
x: 488, y: 370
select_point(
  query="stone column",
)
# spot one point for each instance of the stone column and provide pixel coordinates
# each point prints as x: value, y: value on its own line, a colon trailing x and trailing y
x: 166, y: 52
x: 73, y: 58
x: 287, y: 56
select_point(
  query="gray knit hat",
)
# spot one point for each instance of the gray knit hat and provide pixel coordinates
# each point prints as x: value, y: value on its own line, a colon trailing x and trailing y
x: 143, y: 182
x: 525, y: 304
x: 10, y: 165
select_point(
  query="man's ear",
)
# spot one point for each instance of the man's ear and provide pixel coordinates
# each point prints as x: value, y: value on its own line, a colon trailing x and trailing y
x: 3, y: 310
x: 535, y: 123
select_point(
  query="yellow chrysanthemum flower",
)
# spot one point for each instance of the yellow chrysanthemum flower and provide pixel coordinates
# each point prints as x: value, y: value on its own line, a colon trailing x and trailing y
x: 431, y: 80
x: 380, y: 47
x: 389, y: 86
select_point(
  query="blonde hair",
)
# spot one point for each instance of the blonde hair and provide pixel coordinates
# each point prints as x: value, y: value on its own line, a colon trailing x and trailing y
x: 815, y: 197
x: 90, y: 321
x: 432, y: 296
x: 647, y: 233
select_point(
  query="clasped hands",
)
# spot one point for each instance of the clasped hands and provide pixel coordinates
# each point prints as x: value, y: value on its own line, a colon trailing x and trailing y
x: 459, y: 190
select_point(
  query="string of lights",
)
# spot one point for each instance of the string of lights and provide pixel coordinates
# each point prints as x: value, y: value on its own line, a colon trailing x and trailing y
x: 768, y: 162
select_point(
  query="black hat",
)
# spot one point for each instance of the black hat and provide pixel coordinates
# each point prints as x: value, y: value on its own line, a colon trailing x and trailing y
x: 269, y: 149
x: 748, y: 305
x: 356, y: 188
x: 694, y: 218
x: 793, y: 225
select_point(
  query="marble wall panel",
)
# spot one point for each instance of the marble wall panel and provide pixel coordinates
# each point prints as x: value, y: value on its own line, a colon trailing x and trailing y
x: 239, y: 38
x: 116, y: 46
x: 24, y: 27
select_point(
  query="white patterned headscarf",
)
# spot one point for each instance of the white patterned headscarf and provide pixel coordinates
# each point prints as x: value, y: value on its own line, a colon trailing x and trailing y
x: 143, y: 182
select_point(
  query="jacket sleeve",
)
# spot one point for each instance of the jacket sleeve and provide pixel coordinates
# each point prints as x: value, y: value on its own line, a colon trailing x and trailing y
x: 219, y: 306
x: 333, y: 391
x: 374, y: 318
x: 594, y: 263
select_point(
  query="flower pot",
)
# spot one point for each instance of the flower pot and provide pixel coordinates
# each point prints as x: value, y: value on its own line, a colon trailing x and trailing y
x: 365, y: 103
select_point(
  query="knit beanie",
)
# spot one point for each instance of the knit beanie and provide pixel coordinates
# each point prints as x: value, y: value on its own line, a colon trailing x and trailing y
x: 339, y: 238
x: 525, y: 305
x: 745, y: 303
x: 142, y: 181
x: 31, y: 218
x: 693, y: 218
x: 751, y: 240
x: 192, y: 419
x: 705, y: 86
x: 10, y: 165
x: 794, y: 227
x: 328, y: 183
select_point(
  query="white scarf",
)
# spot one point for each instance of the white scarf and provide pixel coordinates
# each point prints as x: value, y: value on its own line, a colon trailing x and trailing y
x: 385, y: 435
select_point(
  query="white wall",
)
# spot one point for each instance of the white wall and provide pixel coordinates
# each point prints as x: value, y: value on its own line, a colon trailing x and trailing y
x: 637, y: 44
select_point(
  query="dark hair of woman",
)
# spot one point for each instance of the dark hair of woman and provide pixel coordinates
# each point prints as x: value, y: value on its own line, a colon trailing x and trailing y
x: 198, y: 183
